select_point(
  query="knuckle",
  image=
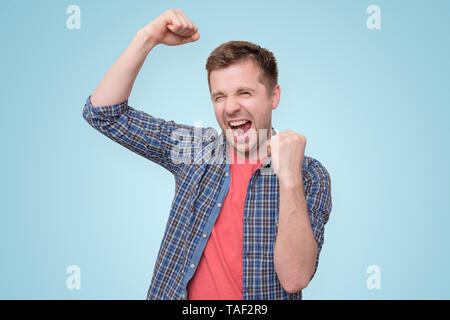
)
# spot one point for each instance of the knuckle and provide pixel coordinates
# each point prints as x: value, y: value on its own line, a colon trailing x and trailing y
x: 302, y: 138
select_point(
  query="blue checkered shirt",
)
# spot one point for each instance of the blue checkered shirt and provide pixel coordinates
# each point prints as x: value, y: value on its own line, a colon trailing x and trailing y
x: 198, y: 160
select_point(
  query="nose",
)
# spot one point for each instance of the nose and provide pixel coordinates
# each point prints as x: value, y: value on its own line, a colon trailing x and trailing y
x: 232, y: 105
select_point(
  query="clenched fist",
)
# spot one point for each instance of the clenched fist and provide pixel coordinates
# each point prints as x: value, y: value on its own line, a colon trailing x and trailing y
x: 172, y: 28
x: 287, y: 150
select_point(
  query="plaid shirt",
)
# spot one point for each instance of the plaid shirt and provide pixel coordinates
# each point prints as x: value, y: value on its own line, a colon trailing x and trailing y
x: 198, y: 160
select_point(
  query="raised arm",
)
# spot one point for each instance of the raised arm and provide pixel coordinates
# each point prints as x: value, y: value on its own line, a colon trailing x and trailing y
x: 171, y: 28
x: 107, y: 109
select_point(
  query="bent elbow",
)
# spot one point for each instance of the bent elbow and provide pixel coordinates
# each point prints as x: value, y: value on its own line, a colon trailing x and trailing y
x: 295, y: 286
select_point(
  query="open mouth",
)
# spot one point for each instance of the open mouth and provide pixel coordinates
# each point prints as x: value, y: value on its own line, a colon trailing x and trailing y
x: 240, y: 127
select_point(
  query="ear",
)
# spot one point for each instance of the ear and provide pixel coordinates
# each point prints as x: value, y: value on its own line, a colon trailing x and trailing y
x: 276, y: 93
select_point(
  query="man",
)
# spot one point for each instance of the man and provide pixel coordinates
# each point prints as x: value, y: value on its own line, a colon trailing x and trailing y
x: 248, y: 216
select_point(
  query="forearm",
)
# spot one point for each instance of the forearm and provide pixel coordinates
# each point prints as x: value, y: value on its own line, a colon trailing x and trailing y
x: 116, y: 85
x: 295, y: 248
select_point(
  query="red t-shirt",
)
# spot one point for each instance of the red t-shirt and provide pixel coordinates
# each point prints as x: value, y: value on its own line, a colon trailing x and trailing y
x: 219, y: 272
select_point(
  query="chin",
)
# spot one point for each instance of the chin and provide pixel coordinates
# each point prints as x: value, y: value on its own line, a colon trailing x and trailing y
x: 250, y: 148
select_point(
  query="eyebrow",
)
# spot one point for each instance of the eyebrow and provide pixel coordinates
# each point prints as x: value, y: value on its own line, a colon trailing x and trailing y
x: 240, y: 89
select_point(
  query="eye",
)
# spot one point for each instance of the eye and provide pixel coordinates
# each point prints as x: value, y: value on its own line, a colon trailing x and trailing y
x: 245, y: 93
x: 218, y: 99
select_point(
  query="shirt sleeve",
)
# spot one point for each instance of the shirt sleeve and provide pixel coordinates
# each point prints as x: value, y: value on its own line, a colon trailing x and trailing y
x: 318, y: 197
x: 155, y: 139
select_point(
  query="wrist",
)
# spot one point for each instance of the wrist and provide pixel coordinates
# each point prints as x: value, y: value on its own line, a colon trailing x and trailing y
x: 146, y: 36
x: 292, y: 181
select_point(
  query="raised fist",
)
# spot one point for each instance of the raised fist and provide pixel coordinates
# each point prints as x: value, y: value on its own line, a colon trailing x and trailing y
x: 172, y: 28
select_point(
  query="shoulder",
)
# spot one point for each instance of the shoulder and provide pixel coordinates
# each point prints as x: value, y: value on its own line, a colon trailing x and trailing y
x: 317, y: 184
x: 313, y: 169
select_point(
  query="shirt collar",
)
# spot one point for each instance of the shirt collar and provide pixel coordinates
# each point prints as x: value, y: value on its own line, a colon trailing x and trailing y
x: 269, y: 158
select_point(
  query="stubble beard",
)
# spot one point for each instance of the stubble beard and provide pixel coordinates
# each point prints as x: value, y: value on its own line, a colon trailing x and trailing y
x: 253, y: 148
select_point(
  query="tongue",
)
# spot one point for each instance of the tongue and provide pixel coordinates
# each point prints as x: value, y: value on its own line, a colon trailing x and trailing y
x: 245, y: 126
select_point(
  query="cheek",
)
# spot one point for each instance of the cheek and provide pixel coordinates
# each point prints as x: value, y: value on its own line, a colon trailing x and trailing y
x: 218, y: 112
x: 260, y: 112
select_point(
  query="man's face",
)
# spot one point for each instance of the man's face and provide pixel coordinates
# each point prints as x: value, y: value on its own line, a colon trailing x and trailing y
x: 243, y: 107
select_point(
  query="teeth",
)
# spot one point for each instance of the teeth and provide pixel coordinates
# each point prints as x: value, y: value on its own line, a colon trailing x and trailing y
x: 238, y: 123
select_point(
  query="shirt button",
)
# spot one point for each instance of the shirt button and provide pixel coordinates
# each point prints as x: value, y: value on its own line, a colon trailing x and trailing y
x: 204, y: 235
x: 182, y: 296
x: 192, y: 266
x: 219, y: 204
x: 226, y: 174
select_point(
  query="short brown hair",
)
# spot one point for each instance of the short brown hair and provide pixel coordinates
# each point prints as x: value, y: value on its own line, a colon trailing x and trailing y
x: 232, y: 52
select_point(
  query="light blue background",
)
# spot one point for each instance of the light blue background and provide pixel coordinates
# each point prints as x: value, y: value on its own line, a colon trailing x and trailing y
x: 373, y: 104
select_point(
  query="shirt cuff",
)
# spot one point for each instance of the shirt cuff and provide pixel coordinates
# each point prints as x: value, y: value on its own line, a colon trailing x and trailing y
x: 110, y: 112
